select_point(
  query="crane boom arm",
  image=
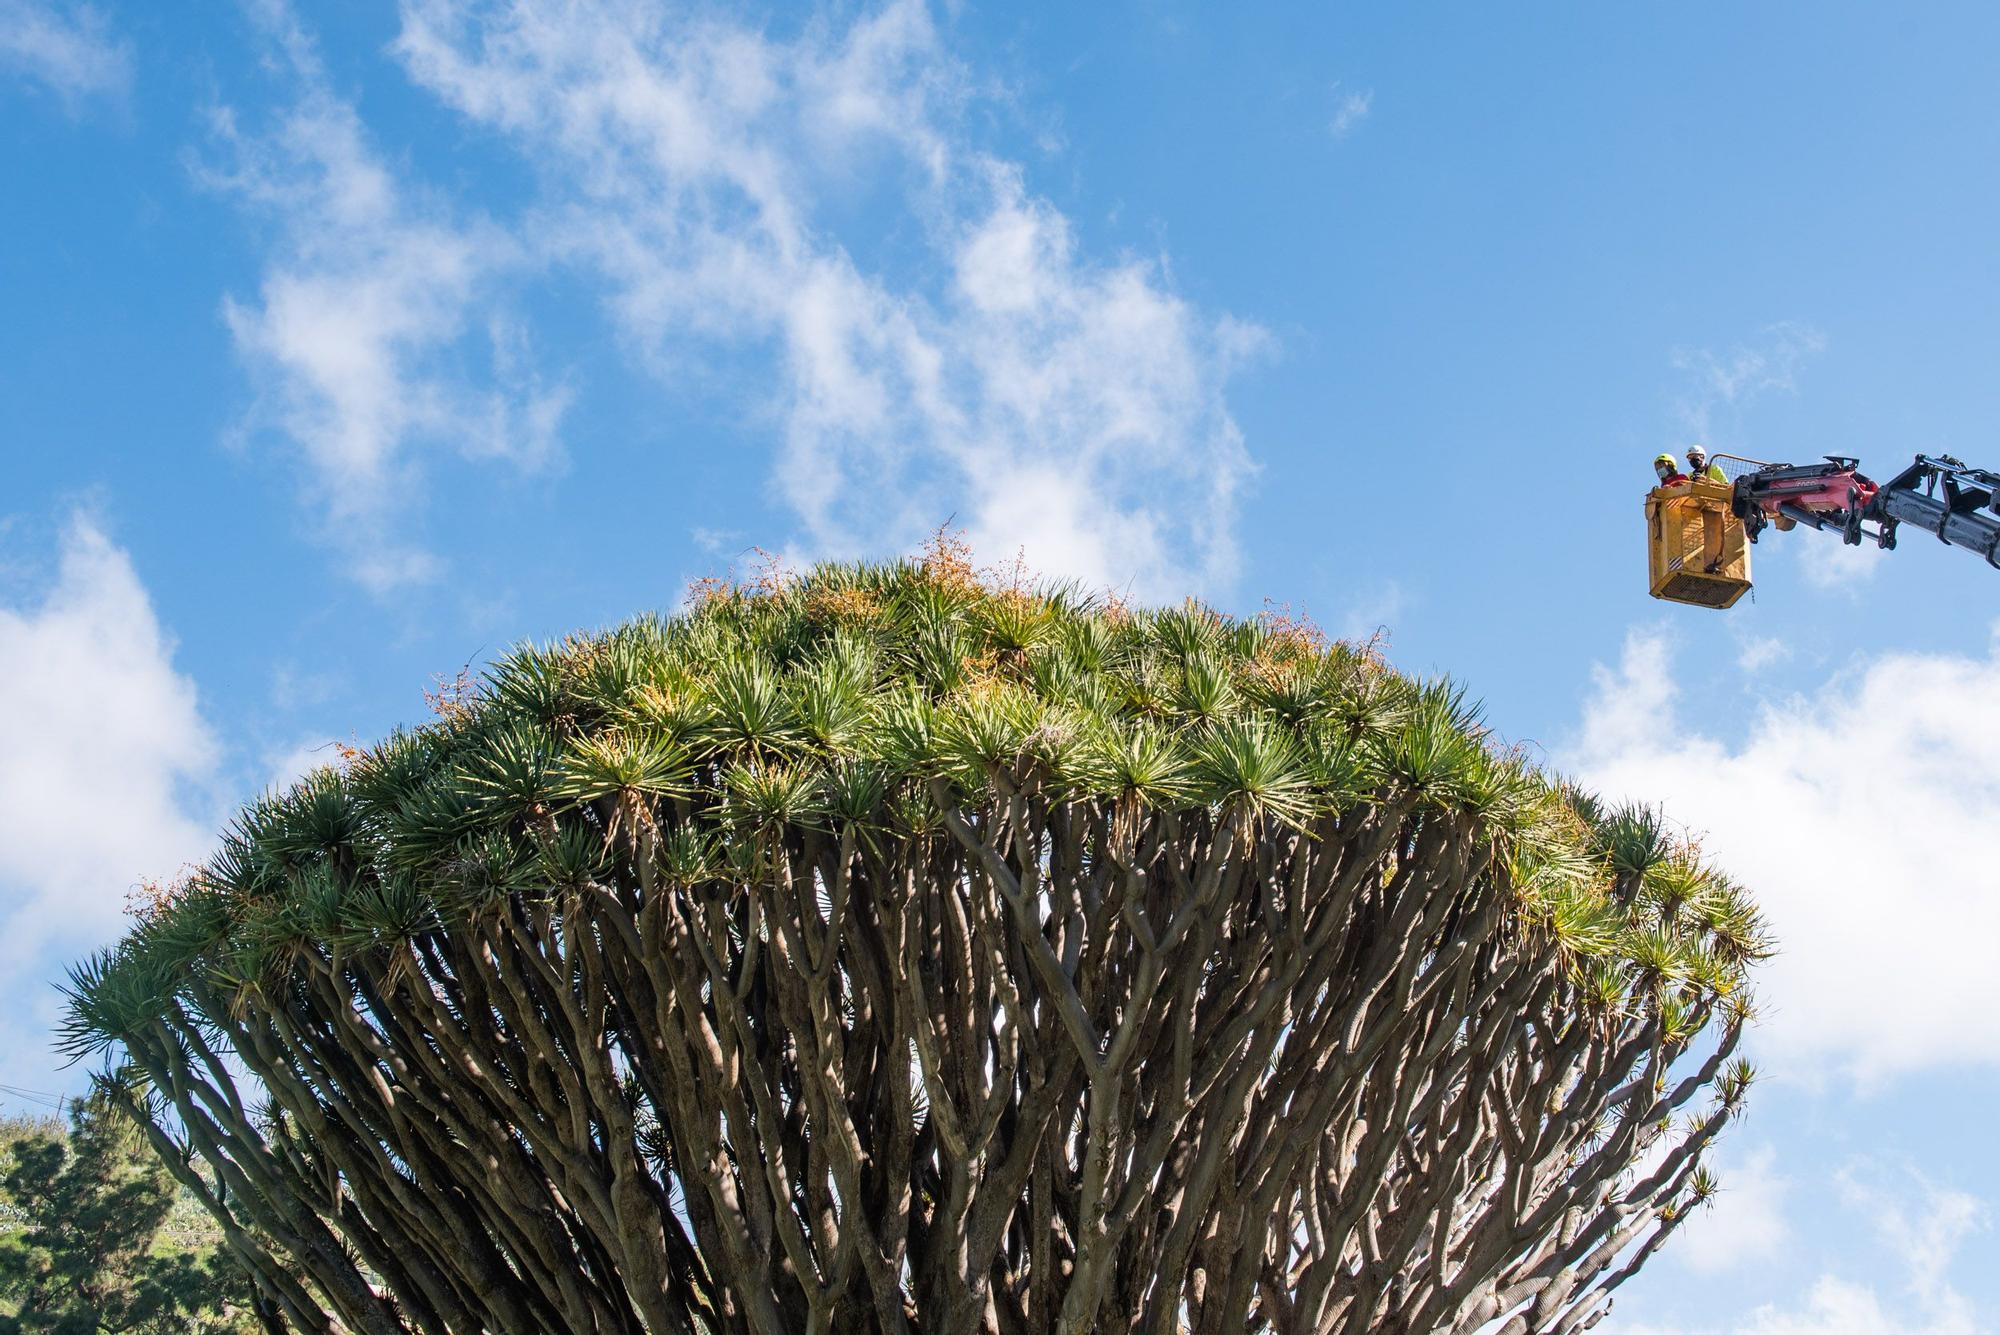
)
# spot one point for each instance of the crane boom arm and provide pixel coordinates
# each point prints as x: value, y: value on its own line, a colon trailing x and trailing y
x: 1958, y: 504
x: 1942, y: 496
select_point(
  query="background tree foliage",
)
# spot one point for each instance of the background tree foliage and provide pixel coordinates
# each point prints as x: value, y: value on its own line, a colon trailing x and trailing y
x: 86, y: 1251
x: 886, y: 949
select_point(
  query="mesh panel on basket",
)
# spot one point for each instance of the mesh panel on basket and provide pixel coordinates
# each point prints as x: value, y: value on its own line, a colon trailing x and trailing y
x: 1733, y: 467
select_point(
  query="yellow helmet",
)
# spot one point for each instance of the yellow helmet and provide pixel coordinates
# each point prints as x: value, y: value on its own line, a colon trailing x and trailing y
x: 1666, y: 459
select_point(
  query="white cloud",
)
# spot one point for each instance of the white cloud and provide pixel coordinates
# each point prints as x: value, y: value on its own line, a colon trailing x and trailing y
x: 1349, y: 110
x: 1919, y: 1237
x: 1744, y: 1224
x: 68, y: 49
x: 1855, y: 815
x: 1053, y: 401
x: 106, y: 766
x: 372, y: 300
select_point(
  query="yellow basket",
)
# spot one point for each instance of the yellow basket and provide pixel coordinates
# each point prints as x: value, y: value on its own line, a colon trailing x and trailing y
x: 1696, y: 550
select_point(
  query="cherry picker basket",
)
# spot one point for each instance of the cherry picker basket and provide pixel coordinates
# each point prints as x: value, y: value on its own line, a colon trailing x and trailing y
x: 1695, y: 548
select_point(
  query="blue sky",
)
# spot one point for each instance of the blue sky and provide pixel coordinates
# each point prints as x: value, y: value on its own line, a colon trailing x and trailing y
x: 345, y: 346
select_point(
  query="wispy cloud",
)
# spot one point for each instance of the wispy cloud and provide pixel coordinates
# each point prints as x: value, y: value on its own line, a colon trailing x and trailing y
x: 69, y: 49
x: 1721, y: 386
x: 1374, y: 612
x: 699, y: 172
x: 375, y: 297
x: 1754, y: 653
x: 1917, y: 1229
x: 1835, y: 566
x: 1722, y: 383
x: 1349, y: 110
x: 1853, y: 814
x: 286, y: 765
x: 1921, y: 1223
x: 1054, y: 401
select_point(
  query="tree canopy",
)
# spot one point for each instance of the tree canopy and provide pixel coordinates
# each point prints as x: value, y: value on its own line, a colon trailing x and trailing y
x: 889, y: 948
x: 87, y: 1253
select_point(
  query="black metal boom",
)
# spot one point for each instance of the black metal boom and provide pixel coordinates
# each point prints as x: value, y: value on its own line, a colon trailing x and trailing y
x: 1961, y: 505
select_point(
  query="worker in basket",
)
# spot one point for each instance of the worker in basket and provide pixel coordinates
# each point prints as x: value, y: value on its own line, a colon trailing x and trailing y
x: 1700, y: 467
x: 1714, y: 517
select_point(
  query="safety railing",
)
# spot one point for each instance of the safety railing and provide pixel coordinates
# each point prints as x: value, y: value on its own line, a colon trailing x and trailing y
x: 1735, y: 465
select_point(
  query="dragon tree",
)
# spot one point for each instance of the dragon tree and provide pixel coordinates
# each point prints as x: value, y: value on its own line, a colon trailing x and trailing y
x: 895, y: 949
